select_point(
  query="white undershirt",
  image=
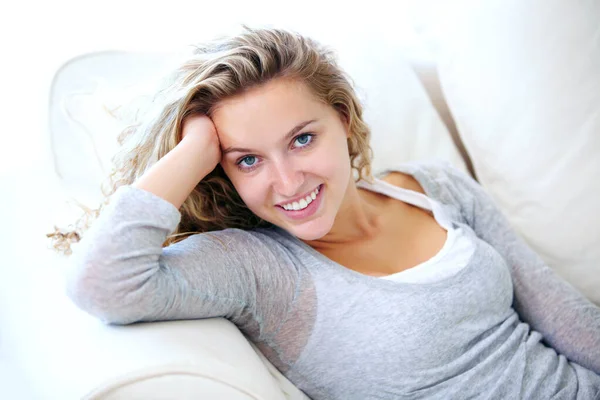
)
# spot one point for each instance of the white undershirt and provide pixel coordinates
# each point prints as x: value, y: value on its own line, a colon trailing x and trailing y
x: 454, y: 255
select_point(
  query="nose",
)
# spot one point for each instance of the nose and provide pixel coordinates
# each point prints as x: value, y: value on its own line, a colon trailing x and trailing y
x: 287, y: 178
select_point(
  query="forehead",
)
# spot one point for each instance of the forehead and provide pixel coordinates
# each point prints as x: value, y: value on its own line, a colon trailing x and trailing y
x: 271, y: 109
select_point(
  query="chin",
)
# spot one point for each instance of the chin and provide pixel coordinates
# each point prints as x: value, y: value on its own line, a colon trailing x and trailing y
x: 308, y: 236
x: 309, y: 231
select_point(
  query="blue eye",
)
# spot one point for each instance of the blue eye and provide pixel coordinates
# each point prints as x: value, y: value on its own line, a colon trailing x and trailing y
x: 304, y: 139
x: 249, y: 161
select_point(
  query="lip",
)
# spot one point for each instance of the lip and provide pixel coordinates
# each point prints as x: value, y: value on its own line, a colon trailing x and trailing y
x: 297, y: 198
x: 310, y: 210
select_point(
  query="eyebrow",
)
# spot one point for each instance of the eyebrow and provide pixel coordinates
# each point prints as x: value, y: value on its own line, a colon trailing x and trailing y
x: 288, y: 136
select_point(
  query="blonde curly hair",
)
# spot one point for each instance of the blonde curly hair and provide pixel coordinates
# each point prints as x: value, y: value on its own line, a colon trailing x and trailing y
x: 216, y: 71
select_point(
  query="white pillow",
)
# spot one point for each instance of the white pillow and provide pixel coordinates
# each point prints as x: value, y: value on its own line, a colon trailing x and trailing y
x: 93, y: 98
x: 404, y: 123
x: 522, y: 79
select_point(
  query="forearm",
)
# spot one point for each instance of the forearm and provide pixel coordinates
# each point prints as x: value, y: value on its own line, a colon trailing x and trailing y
x: 567, y: 320
x: 116, y: 264
x: 176, y: 174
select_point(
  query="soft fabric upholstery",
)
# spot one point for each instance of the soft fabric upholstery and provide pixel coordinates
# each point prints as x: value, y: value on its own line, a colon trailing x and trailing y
x: 522, y: 79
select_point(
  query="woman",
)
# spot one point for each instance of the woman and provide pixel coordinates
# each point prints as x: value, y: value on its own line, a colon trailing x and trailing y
x: 240, y: 200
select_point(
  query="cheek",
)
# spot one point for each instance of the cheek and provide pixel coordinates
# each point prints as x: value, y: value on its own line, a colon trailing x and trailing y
x: 325, y: 165
x: 247, y: 188
x: 252, y: 193
x: 253, y: 198
x: 332, y: 160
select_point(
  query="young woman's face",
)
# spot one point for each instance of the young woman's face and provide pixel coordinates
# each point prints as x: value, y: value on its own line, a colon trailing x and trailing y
x: 286, y: 153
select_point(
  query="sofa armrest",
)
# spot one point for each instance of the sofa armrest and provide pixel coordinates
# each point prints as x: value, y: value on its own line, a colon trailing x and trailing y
x: 65, y: 354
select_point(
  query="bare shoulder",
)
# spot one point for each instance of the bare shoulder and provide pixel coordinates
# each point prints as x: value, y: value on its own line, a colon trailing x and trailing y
x: 404, y: 181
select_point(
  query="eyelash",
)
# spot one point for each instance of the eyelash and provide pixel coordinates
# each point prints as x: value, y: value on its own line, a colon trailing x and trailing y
x: 255, y: 165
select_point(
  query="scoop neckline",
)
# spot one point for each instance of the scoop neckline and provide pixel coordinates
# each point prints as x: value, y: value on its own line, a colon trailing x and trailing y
x: 435, y: 205
x: 373, y: 280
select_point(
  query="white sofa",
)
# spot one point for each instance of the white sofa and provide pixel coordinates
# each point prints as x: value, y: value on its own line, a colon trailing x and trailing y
x: 526, y: 105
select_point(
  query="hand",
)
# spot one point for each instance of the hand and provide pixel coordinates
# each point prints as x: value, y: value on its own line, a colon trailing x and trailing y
x: 200, y: 130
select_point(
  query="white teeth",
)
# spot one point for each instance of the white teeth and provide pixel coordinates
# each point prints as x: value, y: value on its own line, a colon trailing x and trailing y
x: 303, y: 203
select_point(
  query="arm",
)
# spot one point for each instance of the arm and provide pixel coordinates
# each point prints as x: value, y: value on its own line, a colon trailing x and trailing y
x: 121, y: 274
x: 567, y: 320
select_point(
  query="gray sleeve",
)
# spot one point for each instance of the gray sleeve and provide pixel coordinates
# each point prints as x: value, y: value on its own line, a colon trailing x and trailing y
x: 121, y: 274
x: 567, y: 320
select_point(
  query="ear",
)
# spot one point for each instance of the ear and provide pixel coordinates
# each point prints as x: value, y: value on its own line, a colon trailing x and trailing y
x: 346, y: 122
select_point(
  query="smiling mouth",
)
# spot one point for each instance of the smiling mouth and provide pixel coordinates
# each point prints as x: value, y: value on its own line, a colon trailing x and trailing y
x: 302, y: 203
x: 305, y: 210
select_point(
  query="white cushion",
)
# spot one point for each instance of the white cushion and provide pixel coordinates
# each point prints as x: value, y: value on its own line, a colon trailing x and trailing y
x: 93, y: 98
x: 63, y: 353
x: 404, y: 123
x: 522, y: 79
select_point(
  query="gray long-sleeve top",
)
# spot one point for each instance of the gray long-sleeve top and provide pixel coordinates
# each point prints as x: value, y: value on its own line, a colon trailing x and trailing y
x: 503, y: 327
